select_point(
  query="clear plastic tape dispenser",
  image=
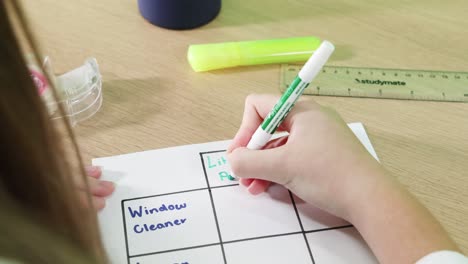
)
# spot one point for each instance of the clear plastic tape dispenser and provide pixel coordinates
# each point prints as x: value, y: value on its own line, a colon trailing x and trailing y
x: 79, y: 90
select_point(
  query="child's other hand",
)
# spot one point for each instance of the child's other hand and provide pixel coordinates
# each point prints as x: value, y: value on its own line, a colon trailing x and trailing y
x: 321, y: 160
x: 98, y: 188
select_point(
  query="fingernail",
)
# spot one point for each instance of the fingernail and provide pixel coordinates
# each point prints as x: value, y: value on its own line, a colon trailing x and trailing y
x: 253, y: 189
x: 92, y: 168
x: 246, y: 181
x: 107, y: 185
x: 246, y: 184
x: 93, y: 171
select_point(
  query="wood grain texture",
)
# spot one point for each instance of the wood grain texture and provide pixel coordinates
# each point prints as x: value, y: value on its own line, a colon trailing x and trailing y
x: 152, y: 98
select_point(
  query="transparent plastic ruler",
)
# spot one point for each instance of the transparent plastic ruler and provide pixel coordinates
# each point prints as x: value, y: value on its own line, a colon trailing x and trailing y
x: 383, y: 83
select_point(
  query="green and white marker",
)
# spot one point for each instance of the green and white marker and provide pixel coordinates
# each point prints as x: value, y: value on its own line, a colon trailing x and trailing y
x: 305, y: 76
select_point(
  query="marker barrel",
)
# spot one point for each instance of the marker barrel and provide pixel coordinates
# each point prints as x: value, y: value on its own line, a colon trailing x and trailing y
x: 279, y: 112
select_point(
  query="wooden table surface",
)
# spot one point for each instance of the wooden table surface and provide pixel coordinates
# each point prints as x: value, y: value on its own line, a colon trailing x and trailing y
x: 153, y: 99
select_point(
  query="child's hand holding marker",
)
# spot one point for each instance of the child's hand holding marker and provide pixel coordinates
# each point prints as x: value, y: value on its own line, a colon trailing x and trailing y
x: 268, y: 124
x: 320, y: 159
x: 322, y: 162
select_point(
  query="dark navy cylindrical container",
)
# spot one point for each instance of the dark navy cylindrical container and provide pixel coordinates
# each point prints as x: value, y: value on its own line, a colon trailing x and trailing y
x: 179, y: 14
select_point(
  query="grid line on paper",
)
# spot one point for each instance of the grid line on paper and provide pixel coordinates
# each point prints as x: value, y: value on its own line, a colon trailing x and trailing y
x: 240, y: 240
x: 222, y: 186
x: 163, y: 194
x: 213, y: 207
x: 125, y: 231
x: 302, y: 227
x: 174, y: 250
x: 327, y: 229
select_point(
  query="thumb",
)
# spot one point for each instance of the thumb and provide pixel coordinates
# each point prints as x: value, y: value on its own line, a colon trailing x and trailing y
x: 266, y: 164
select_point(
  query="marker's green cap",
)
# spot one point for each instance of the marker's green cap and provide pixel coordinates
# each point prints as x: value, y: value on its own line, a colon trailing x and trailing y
x: 205, y: 57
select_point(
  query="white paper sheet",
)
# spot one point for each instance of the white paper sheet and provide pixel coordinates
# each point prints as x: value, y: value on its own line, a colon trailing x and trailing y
x: 180, y: 205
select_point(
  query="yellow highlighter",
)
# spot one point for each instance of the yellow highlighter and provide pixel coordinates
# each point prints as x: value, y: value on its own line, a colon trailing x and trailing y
x: 206, y: 57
